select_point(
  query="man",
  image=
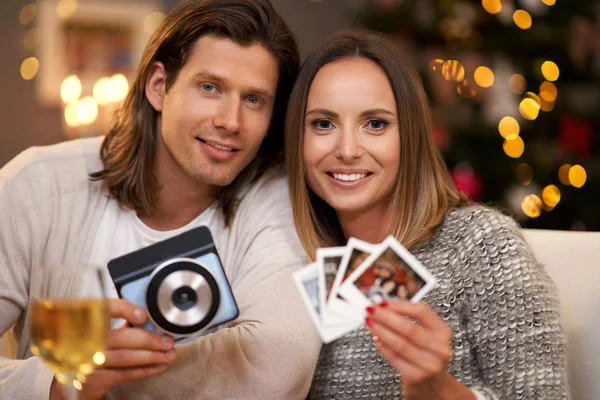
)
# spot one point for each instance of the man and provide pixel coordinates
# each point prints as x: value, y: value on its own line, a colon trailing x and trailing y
x: 194, y: 144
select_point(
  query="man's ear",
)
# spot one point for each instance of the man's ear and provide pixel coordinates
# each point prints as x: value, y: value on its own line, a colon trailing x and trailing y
x: 156, y: 85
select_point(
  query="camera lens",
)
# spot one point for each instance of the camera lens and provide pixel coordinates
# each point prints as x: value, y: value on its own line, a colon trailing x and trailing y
x: 184, y: 298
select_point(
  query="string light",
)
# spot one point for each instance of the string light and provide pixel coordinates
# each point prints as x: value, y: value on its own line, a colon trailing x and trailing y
x: 522, y: 19
x: 27, y: 14
x: 466, y: 89
x: 31, y: 40
x: 548, y: 91
x: 437, y: 64
x: 550, y: 71
x: 532, y: 206
x: 529, y: 109
x: 551, y: 196
x: 492, y: 6
x: 452, y: 70
x: 30, y: 68
x: 508, y: 127
x: 484, y: 77
x: 86, y: 111
x: 563, y: 174
x: 517, y: 83
x: 577, y: 176
x: 514, y: 147
x: 70, y: 90
x: 549, y: 2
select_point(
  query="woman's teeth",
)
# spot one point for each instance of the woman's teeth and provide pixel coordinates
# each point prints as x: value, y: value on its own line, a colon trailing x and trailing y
x: 348, y: 177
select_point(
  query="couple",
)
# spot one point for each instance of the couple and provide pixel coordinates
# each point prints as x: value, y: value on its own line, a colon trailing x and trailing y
x: 198, y: 141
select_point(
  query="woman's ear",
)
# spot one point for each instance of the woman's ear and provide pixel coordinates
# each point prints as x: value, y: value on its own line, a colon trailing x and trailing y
x: 156, y: 86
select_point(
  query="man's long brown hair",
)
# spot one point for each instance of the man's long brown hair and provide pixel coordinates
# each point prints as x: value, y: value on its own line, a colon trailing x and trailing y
x: 424, y: 192
x: 128, y: 150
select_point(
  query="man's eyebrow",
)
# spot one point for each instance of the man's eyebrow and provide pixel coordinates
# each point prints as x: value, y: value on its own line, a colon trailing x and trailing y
x: 217, y: 78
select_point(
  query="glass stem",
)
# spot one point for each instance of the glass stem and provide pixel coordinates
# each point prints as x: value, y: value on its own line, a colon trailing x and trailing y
x: 71, y: 393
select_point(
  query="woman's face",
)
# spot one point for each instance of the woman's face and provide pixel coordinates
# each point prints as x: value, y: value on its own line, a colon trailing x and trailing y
x: 351, y: 136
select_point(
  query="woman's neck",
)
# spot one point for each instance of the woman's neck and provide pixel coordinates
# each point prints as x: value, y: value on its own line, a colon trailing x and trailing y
x: 371, y: 226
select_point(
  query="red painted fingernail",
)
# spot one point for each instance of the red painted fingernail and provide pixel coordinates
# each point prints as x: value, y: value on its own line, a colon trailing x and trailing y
x: 370, y: 309
x: 370, y: 322
x: 383, y: 304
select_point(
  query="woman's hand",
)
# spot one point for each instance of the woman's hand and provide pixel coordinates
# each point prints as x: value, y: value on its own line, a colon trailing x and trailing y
x: 419, y: 351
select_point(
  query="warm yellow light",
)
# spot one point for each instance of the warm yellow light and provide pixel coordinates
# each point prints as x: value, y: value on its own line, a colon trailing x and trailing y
x: 549, y: 2
x: 71, y: 115
x: 152, y: 21
x: 87, y: 111
x: 452, y: 70
x: 66, y: 8
x: 524, y: 174
x: 31, y: 40
x: 514, y: 146
x: 517, y: 84
x: 551, y: 195
x: 99, y: 358
x: 117, y: 88
x: 70, y: 90
x: 100, y: 91
x: 534, y: 97
x: 30, y: 68
x: 27, y: 14
x: 550, y: 71
x: 492, y: 6
x: 484, y: 77
x: 522, y: 19
x: 437, y: 64
x: 547, y: 106
x: 466, y: 89
x: 529, y: 109
x: 563, y: 174
x: 577, y: 176
x: 532, y: 206
x: 548, y: 91
x: 508, y: 126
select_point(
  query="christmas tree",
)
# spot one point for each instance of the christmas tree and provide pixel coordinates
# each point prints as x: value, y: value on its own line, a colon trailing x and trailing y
x: 515, y: 91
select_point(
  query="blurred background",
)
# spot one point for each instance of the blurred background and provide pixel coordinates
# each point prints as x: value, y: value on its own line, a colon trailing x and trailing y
x: 514, y: 84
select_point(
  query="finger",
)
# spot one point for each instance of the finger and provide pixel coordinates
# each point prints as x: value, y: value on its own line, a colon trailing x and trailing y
x: 424, y: 338
x: 137, y: 338
x: 111, y: 377
x: 421, y: 312
x: 410, y: 373
x: 125, y: 358
x: 403, y: 348
x: 119, y: 308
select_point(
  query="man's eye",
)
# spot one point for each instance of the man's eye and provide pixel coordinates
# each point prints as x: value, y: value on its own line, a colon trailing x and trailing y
x: 253, y: 100
x: 207, y: 87
x: 376, y: 124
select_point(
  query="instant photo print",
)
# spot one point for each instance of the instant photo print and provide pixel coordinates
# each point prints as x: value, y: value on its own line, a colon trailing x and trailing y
x: 391, y: 272
x: 307, y: 282
x: 181, y: 284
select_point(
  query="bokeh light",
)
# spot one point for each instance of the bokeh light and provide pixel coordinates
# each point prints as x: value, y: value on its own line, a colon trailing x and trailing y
x: 66, y: 8
x: 466, y: 89
x: 529, y: 109
x: 87, y: 111
x: 563, y: 174
x: 524, y: 174
x: 517, y: 84
x: 532, y: 206
x: 534, y: 97
x: 551, y: 196
x: 514, y: 146
x: 522, y: 19
x: 30, y: 68
x: 546, y: 106
x: 152, y: 21
x: 484, y: 77
x: 100, y: 91
x: 452, y: 70
x: 550, y: 71
x: 437, y: 64
x: 492, y: 6
x: 71, y: 115
x: 577, y: 176
x: 70, y: 90
x: 31, y: 40
x: 548, y: 91
x: 508, y: 126
x: 27, y: 14
x: 549, y: 2
x: 117, y: 88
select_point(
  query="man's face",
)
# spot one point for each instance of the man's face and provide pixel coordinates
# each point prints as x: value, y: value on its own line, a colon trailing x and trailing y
x: 217, y: 112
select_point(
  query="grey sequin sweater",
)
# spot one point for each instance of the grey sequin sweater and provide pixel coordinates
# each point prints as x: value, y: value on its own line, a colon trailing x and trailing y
x: 502, y: 306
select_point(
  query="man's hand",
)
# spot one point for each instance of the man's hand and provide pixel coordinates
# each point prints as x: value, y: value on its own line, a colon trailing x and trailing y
x: 131, y: 353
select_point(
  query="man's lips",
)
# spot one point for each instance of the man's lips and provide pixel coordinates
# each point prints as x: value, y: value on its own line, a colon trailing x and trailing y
x: 220, y: 145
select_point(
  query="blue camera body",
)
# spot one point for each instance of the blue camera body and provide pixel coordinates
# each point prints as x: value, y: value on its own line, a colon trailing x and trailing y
x: 180, y: 282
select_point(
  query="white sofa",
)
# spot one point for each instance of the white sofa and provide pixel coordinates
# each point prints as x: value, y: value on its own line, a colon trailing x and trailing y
x: 572, y: 259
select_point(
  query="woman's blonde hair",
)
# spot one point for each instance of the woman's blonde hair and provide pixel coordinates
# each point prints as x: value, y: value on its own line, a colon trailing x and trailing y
x: 424, y: 192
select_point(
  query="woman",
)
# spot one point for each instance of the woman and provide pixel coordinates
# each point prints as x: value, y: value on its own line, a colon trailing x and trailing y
x: 362, y: 164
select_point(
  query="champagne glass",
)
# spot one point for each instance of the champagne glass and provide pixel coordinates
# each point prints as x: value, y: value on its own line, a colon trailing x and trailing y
x: 70, y: 334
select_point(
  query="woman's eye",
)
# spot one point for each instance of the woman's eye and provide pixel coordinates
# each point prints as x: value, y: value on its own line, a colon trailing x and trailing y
x: 376, y: 124
x: 322, y: 124
x: 207, y: 87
